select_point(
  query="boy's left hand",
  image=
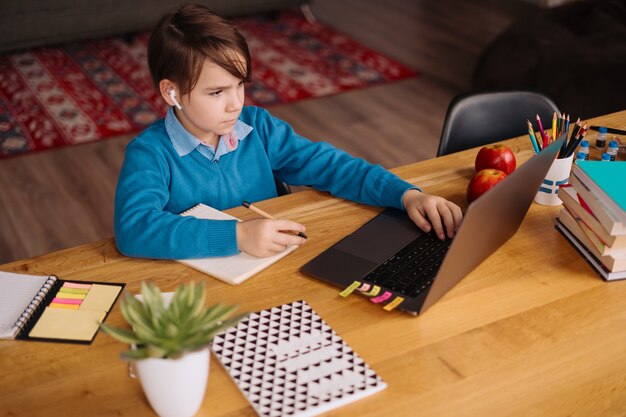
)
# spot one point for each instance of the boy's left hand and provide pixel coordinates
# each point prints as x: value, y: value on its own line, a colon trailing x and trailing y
x: 431, y: 211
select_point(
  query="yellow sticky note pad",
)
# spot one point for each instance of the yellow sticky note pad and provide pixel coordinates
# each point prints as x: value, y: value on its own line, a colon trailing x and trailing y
x: 58, y: 323
x: 100, y: 297
x: 71, y: 296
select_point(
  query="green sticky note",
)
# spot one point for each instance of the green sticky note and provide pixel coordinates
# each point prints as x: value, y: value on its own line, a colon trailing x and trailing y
x: 73, y: 290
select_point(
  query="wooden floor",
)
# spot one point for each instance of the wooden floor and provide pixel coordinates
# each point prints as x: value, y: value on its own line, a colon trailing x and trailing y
x: 61, y: 198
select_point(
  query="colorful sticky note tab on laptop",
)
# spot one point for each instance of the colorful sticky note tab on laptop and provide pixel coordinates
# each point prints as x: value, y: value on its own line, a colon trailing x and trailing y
x: 373, y: 292
x: 350, y: 289
x: 383, y: 297
x: 393, y: 304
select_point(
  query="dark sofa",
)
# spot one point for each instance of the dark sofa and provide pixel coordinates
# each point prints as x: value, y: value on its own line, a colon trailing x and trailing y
x: 576, y: 54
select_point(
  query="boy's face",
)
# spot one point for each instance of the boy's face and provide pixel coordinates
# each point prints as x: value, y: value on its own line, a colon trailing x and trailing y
x: 213, y: 105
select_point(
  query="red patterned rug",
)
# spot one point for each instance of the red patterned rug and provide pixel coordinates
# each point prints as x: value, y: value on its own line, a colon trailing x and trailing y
x: 87, y: 91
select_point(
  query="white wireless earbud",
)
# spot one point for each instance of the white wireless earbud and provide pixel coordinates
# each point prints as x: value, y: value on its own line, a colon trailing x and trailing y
x: 173, y: 97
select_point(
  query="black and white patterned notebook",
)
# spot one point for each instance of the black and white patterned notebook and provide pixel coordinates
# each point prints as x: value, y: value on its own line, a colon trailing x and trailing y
x: 288, y: 362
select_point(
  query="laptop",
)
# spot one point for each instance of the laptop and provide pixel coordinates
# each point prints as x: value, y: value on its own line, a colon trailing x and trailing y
x: 392, y: 252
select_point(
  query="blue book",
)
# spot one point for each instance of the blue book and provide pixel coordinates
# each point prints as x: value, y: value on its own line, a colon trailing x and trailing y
x: 607, y: 181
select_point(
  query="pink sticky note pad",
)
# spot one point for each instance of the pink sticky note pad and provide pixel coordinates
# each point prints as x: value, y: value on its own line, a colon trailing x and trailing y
x: 77, y: 285
x: 66, y: 301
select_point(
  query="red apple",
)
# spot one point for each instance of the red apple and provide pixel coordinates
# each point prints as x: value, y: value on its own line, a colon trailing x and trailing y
x: 496, y: 156
x: 483, y: 181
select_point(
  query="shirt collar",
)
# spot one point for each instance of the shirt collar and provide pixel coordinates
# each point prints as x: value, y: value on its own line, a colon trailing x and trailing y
x: 184, y: 142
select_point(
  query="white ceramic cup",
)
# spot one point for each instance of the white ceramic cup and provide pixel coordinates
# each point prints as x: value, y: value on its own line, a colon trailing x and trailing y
x: 558, y: 174
x: 175, y: 387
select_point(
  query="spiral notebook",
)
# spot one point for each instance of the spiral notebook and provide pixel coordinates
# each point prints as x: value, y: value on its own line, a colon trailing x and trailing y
x: 233, y: 269
x: 48, y: 308
x: 288, y: 361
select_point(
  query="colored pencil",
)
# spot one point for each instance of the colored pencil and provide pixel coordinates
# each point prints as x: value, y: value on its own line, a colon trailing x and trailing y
x: 543, y: 134
x: 267, y: 216
x: 571, y: 147
x: 575, y: 131
x: 533, y: 139
x: 545, y: 144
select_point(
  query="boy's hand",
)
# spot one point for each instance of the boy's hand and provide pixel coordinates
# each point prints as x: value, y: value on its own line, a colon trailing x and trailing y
x: 266, y: 237
x: 430, y: 211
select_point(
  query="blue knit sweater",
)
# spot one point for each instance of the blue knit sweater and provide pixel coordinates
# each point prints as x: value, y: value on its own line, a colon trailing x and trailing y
x: 156, y: 184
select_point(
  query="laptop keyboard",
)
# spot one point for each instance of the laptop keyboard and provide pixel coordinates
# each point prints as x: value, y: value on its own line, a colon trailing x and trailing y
x: 412, y: 269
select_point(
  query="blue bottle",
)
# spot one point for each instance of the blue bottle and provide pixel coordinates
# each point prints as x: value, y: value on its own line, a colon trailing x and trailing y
x: 612, y: 150
x: 584, y: 148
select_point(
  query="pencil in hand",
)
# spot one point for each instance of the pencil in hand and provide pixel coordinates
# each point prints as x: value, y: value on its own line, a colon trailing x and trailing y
x: 266, y: 215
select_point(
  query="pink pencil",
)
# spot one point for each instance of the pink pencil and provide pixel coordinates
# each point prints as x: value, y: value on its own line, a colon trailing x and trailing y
x: 543, y: 134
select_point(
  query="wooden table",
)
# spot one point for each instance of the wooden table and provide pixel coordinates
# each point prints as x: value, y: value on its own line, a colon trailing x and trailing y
x: 531, y: 331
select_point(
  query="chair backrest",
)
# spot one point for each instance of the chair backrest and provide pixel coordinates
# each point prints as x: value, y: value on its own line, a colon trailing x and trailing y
x: 478, y: 118
x: 282, y: 188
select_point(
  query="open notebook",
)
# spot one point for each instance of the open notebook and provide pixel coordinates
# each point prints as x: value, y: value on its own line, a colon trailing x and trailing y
x: 233, y: 269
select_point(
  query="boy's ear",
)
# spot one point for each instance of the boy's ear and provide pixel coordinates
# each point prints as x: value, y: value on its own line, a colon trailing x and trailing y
x: 165, y: 87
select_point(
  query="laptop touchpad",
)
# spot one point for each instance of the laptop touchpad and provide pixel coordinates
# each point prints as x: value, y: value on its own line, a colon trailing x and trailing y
x: 381, y: 237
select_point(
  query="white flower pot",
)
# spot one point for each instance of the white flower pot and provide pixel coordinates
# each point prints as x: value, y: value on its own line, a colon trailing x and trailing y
x: 175, y: 387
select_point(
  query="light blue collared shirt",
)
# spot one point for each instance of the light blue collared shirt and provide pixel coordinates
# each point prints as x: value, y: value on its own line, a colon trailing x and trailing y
x: 184, y: 142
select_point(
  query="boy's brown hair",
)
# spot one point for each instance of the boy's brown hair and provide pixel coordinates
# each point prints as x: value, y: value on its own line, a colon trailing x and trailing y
x: 188, y: 35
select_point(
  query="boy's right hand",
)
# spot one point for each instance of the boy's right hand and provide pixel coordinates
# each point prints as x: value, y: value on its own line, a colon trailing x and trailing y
x: 266, y: 237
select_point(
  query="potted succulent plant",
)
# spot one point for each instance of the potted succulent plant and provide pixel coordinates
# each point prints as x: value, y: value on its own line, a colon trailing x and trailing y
x: 170, y: 344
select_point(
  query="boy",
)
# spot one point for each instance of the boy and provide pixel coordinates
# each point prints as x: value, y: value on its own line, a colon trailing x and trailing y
x: 211, y: 149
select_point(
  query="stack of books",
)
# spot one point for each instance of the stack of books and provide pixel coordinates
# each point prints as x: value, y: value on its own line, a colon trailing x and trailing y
x: 593, y: 217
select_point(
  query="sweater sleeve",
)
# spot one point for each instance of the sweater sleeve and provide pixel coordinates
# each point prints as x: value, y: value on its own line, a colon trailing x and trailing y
x: 144, y: 229
x: 299, y: 161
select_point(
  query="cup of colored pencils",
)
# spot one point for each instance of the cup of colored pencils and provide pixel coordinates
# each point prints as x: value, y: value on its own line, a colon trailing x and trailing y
x: 542, y: 138
x: 561, y: 167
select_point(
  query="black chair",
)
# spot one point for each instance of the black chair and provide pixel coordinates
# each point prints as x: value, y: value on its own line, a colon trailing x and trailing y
x: 282, y: 188
x: 478, y: 118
